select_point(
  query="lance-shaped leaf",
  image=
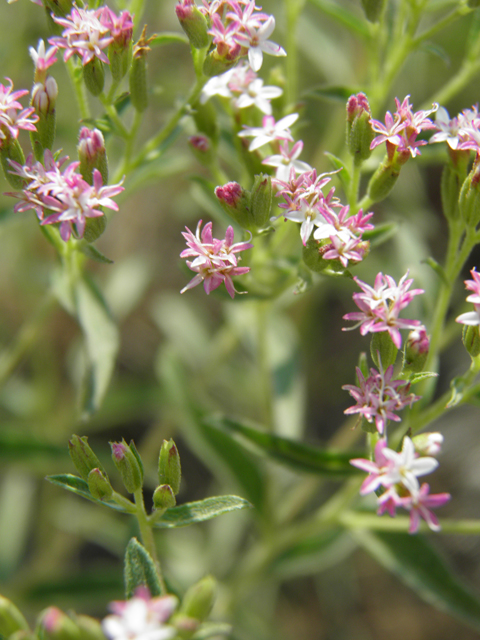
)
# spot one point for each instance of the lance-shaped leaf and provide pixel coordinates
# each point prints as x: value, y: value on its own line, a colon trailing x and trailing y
x: 77, y: 485
x: 140, y: 570
x: 298, y: 455
x: 192, y: 512
x: 419, y: 566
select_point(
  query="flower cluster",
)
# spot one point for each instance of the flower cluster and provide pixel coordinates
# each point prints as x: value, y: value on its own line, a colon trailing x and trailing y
x: 87, y: 32
x: 214, y: 260
x: 396, y: 475
x: 380, y: 306
x: 379, y: 397
x: 400, y: 131
x: 243, y: 87
x: 141, y: 618
x: 64, y: 192
x: 239, y: 28
x: 13, y: 116
x: 460, y: 132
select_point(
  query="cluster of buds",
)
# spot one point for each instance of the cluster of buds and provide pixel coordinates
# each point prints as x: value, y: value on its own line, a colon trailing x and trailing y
x: 87, y: 34
x: 215, y: 260
x: 235, y: 29
x: 44, y: 97
x: 169, y: 476
x: 65, y: 192
x: 394, y: 475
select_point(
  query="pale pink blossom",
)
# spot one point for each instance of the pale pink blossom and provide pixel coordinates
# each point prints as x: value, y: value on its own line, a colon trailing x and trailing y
x: 420, y: 504
x: 472, y: 318
x: 269, y: 131
x: 13, y: 116
x: 255, y: 39
x: 287, y: 160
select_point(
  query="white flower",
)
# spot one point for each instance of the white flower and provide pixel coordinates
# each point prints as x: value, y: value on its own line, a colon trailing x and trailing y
x: 270, y: 131
x: 257, y: 43
x: 405, y: 467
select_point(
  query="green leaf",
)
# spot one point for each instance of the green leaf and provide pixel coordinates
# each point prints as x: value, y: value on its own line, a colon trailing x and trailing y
x: 297, y: 455
x: 212, y: 630
x: 77, y: 485
x: 422, y: 375
x: 419, y: 566
x: 192, y: 512
x: 439, y: 270
x: 94, y: 254
x: 331, y: 93
x: 16, y: 445
x: 339, y: 165
x: 343, y: 16
x: 240, y: 463
x: 140, y: 570
x: 168, y: 38
x: 101, y: 342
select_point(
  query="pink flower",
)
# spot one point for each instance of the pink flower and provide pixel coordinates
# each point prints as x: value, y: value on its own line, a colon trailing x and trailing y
x: 472, y: 317
x: 269, y: 131
x: 215, y: 261
x: 85, y: 34
x: 380, y: 307
x: 286, y: 160
x: 11, y: 118
x: 141, y: 618
x: 255, y: 39
x: 420, y: 504
x: 378, y: 397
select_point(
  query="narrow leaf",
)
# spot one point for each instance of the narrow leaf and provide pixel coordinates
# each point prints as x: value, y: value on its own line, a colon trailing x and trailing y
x: 439, y: 270
x: 192, y: 512
x: 343, y: 16
x: 77, y: 485
x: 140, y: 570
x: 212, y: 630
x: 94, y: 254
x: 298, y: 455
x: 168, y: 38
x: 331, y: 93
x: 15, y: 445
x: 419, y: 566
x: 380, y: 234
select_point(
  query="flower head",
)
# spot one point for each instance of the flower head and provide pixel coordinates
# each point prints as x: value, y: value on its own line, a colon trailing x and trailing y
x: 472, y: 317
x: 13, y: 116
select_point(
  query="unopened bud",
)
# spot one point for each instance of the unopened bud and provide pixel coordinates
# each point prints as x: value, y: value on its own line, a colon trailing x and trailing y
x: 198, y: 601
x: 92, y: 154
x: 99, y: 485
x: 94, y: 76
x: 313, y: 256
x: 215, y: 65
x: 382, y: 349
x: 236, y: 201
x: 373, y: 9
x: 450, y: 186
x: 469, y: 199
x: 127, y: 464
x: 83, y: 456
x: 382, y: 181
x: 471, y: 339
x: 169, y: 470
x: 11, y: 619
x: 261, y: 200
x: 120, y: 49
x: 359, y: 130
x: 416, y: 350
x: 205, y: 117
x: 138, y: 73
x: 428, y: 444
x: 53, y: 624
x: 201, y: 148
x: 193, y: 22
x: 163, y: 497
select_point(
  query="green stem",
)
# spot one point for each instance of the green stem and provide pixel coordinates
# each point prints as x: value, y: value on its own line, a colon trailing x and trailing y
x: 262, y: 309
x: 293, y: 9
x: 458, y: 82
x: 146, y: 534
x: 458, y: 12
x: 80, y: 90
x: 114, y: 117
x: 354, y: 520
x: 353, y: 187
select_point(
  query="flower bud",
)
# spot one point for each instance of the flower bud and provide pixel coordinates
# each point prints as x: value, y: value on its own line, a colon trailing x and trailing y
x: 163, y: 497
x: 94, y: 76
x: 201, y: 148
x: 44, y: 97
x: 373, y: 9
x: 10, y: 149
x: 90, y: 628
x: 83, y: 456
x: 120, y: 49
x: 193, y: 22
x: 428, y: 444
x: 138, y: 73
x: 127, y: 464
x: 450, y: 186
x: 99, y: 485
x: 92, y: 154
x: 416, y: 350
x: 198, y: 601
x: 236, y: 201
x: 214, y: 64
x: 359, y: 130
x: 471, y: 339
x: 169, y: 470
x: 382, y: 349
x: 53, y: 624
x: 11, y: 619
x: 94, y: 227
x: 469, y: 199
x: 261, y: 200
x: 382, y: 181
x: 205, y: 117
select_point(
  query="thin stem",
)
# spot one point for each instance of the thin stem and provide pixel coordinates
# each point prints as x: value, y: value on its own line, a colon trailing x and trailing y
x: 354, y: 520
x: 458, y: 12
x: 458, y: 82
x: 80, y: 90
x: 293, y: 9
x: 146, y: 534
x: 264, y: 363
x: 114, y: 117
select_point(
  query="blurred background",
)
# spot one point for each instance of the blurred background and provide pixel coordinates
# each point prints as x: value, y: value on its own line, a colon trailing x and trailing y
x: 180, y: 355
